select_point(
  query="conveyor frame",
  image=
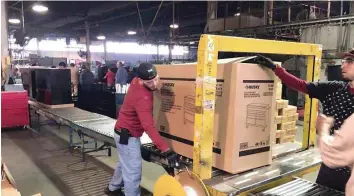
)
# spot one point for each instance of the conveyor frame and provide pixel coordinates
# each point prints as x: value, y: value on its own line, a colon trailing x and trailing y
x: 85, y: 124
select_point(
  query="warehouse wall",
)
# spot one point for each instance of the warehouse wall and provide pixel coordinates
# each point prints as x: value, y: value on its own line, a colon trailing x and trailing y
x: 99, y: 56
x: 331, y: 37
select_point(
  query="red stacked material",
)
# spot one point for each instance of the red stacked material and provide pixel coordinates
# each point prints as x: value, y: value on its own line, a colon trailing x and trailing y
x: 14, y: 109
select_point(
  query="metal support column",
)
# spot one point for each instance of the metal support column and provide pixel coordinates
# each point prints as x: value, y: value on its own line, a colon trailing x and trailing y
x: 329, y: 9
x: 289, y: 11
x: 38, y: 50
x: 170, y: 46
x: 157, y: 53
x: 88, y: 54
x: 265, y: 12
x: 4, y: 33
x: 270, y: 12
x: 211, y: 13
x: 205, y: 106
x: 105, y: 50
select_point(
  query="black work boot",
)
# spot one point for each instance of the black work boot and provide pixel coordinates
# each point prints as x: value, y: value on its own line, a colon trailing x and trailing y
x: 117, y: 192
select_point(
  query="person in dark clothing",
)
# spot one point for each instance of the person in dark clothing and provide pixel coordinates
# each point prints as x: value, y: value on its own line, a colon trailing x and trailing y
x: 131, y: 74
x: 86, y: 76
x: 337, y: 98
x: 62, y: 65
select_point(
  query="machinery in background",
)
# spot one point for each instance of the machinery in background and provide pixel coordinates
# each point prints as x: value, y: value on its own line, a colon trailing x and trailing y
x: 98, y: 99
x: 50, y: 86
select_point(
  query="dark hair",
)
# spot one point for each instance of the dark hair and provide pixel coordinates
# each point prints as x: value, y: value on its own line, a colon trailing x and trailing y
x: 72, y: 64
x: 53, y: 66
x: 62, y: 64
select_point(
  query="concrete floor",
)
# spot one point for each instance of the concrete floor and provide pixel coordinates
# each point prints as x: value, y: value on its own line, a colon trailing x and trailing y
x: 41, y: 163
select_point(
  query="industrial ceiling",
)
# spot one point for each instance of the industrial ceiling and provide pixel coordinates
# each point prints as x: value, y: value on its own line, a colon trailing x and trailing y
x: 150, y: 19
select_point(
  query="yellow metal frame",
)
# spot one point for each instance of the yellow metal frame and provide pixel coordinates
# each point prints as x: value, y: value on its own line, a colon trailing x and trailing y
x: 208, y: 48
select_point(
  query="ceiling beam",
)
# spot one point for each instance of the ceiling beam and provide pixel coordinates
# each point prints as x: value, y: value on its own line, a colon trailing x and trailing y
x: 93, y: 24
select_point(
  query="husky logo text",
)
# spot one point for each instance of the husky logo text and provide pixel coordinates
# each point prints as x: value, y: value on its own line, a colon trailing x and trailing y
x: 252, y: 86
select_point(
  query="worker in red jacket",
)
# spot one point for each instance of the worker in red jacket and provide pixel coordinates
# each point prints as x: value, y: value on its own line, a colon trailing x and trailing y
x: 337, y: 98
x: 135, y: 117
x: 110, y: 76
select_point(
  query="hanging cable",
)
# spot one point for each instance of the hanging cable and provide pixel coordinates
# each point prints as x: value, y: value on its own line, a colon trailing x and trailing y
x: 141, y: 20
x: 153, y: 21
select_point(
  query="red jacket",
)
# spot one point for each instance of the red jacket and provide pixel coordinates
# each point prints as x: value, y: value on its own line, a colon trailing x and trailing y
x: 136, y: 114
x: 110, y: 77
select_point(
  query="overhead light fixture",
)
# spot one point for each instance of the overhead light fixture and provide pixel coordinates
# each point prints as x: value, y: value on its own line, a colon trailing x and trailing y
x: 26, y: 37
x: 191, y: 43
x: 238, y: 11
x: 131, y: 32
x: 14, y: 20
x: 39, y: 8
x: 101, y: 37
x: 174, y: 26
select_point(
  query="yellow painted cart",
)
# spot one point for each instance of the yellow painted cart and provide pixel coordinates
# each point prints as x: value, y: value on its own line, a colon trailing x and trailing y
x: 283, y: 169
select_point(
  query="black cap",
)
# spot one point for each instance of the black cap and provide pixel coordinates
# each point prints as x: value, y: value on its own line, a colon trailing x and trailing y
x: 62, y: 64
x: 147, y: 71
x: 346, y: 55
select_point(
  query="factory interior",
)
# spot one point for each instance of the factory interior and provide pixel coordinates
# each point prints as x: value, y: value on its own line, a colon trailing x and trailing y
x: 177, y: 98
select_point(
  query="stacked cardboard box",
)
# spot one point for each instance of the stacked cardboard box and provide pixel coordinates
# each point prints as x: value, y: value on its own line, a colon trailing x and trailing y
x: 244, y: 112
x: 286, y: 122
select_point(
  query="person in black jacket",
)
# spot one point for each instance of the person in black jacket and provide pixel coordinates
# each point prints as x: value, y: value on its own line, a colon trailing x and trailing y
x: 337, y: 98
x: 86, y: 76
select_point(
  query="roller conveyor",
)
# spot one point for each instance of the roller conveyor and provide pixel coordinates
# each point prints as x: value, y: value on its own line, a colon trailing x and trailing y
x: 300, y: 187
x: 94, y: 125
x: 101, y: 128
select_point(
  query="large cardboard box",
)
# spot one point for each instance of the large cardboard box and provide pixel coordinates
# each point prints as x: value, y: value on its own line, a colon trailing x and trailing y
x: 244, y: 112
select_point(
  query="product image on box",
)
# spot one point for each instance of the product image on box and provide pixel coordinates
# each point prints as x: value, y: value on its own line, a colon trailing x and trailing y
x: 188, y: 109
x: 257, y: 115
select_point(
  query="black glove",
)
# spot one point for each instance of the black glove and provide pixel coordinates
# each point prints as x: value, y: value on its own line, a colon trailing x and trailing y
x: 145, y: 154
x: 264, y: 61
x: 172, y: 158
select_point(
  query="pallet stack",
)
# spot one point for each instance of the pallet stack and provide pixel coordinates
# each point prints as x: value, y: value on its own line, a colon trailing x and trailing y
x: 286, y: 122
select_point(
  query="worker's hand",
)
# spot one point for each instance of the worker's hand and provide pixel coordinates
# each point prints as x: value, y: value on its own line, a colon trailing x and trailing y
x: 264, y: 61
x: 145, y: 154
x: 172, y: 158
x: 324, y: 124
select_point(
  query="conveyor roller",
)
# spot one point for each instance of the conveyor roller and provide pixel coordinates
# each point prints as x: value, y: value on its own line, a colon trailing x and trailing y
x: 300, y: 187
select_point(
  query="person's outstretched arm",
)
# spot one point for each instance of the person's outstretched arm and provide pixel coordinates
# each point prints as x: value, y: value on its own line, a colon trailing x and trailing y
x: 290, y: 80
x: 316, y: 90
